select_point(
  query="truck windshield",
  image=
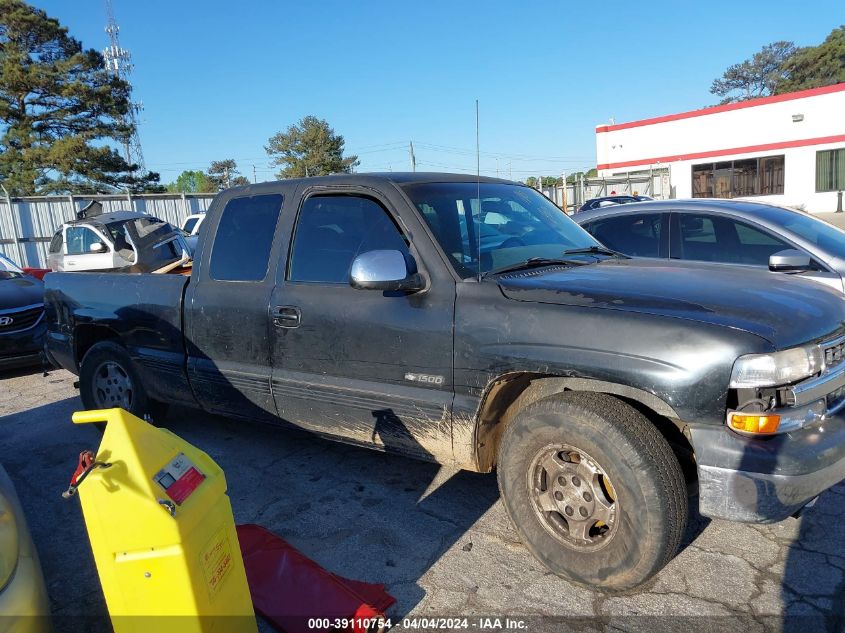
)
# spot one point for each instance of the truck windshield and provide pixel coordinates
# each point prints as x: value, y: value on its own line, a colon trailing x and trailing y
x: 516, y: 224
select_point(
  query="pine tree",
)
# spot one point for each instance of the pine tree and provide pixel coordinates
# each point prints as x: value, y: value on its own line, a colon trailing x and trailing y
x: 309, y: 148
x: 59, y: 107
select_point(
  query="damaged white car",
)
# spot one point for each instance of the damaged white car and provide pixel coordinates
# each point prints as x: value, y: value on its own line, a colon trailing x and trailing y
x: 120, y: 240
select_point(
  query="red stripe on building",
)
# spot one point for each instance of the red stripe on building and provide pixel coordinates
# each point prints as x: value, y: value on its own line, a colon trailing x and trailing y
x: 727, y: 152
x: 812, y: 92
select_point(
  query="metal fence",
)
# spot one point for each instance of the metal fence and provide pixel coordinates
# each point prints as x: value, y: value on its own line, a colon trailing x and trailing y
x: 654, y: 183
x: 28, y: 224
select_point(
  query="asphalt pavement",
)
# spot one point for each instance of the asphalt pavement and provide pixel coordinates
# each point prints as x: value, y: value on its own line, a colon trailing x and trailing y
x: 438, y: 538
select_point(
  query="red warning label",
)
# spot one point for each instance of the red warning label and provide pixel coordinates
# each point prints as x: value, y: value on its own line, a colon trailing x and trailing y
x: 179, y: 478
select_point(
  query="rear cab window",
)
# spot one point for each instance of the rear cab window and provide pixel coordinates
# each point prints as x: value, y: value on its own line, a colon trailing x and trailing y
x: 244, y: 238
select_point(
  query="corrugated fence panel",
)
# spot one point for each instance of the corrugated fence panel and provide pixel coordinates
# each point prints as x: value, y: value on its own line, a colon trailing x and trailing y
x: 25, y: 232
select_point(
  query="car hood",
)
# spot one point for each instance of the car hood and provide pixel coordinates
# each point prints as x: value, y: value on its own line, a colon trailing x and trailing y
x: 18, y: 292
x: 783, y: 309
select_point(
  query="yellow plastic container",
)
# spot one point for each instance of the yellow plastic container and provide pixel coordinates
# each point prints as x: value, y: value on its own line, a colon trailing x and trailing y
x: 162, y: 532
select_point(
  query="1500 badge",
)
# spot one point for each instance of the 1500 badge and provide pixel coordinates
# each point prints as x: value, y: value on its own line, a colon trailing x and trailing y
x: 424, y: 378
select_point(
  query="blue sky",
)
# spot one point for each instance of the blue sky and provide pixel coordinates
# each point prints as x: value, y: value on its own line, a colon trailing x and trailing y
x: 218, y: 78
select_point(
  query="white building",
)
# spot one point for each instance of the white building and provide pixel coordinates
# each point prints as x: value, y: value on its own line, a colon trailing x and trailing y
x: 786, y: 149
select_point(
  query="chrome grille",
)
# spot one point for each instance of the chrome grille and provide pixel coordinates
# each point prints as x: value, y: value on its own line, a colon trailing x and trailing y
x: 11, y: 321
x: 834, y: 353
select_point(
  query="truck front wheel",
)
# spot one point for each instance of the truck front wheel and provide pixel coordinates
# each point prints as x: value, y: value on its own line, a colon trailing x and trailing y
x: 107, y: 379
x: 594, y: 490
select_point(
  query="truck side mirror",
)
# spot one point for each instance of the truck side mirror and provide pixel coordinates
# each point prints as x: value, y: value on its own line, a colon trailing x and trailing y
x: 97, y: 247
x: 790, y: 260
x: 385, y: 270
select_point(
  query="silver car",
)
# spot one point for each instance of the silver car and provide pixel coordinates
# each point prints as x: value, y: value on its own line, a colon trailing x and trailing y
x: 729, y: 232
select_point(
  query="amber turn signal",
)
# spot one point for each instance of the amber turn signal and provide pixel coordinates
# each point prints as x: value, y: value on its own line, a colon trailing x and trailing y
x: 753, y: 423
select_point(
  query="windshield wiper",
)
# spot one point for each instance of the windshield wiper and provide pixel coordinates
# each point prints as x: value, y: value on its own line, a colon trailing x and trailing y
x: 534, y: 262
x: 596, y: 250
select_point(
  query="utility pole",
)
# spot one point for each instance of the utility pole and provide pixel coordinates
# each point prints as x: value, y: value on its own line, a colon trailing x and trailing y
x: 563, y: 200
x: 254, y: 177
x: 411, y: 155
x: 510, y: 171
x: 226, y: 177
x: 497, y: 168
x: 119, y: 63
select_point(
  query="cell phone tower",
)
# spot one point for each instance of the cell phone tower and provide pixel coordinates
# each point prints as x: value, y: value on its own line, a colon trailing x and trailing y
x: 119, y: 63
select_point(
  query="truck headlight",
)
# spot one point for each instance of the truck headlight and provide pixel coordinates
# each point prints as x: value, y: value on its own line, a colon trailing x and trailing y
x: 9, y: 546
x: 777, y: 368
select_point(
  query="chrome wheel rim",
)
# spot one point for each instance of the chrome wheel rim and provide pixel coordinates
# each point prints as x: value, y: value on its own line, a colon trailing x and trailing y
x: 112, y: 387
x: 573, y: 498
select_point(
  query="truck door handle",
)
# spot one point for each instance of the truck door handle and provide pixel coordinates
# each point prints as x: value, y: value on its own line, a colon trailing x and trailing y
x: 286, y: 316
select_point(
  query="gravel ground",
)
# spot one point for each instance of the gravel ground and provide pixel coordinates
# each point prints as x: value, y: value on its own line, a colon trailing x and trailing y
x: 439, y: 539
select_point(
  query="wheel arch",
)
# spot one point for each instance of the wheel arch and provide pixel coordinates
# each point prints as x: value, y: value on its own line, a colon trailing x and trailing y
x: 506, y: 395
x: 89, y: 334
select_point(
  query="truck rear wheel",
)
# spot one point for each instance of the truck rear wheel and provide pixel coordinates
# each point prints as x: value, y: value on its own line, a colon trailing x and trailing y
x: 107, y: 379
x: 594, y: 490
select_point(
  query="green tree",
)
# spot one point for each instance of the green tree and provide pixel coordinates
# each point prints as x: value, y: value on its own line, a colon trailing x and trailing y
x: 225, y: 174
x: 192, y: 182
x: 816, y: 66
x: 59, y: 107
x: 309, y: 148
x: 759, y: 76
x: 590, y: 173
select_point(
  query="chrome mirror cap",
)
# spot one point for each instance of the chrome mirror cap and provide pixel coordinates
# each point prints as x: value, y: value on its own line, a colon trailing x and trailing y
x: 385, y: 270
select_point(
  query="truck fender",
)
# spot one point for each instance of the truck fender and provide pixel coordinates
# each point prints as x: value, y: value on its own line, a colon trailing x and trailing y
x: 508, y: 394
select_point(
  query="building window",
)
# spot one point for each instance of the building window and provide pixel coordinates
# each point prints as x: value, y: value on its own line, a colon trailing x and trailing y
x: 738, y: 178
x: 830, y: 170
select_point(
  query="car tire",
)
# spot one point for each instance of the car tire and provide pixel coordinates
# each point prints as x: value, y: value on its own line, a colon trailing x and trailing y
x: 593, y: 489
x: 108, y: 379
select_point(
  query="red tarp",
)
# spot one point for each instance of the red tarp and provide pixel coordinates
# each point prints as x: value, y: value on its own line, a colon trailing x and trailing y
x: 289, y: 589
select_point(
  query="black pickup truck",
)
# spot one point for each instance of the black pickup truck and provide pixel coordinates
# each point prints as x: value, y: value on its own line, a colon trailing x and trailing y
x: 471, y: 322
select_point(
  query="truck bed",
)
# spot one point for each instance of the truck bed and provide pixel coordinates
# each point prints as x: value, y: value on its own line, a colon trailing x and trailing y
x: 142, y: 311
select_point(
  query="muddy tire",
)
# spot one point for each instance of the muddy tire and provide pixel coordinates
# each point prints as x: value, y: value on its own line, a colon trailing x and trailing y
x: 108, y: 379
x: 593, y: 489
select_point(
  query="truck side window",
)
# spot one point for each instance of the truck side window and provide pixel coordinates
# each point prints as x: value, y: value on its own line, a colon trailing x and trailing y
x: 333, y: 230
x: 632, y: 234
x: 241, y: 250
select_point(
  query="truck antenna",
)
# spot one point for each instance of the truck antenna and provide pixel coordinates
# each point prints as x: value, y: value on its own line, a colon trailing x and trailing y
x: 478, y: 188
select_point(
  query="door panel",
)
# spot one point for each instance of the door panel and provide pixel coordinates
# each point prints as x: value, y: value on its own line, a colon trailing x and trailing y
x: 227, y: 310
x: 368, y: 366
x: 78, y: 241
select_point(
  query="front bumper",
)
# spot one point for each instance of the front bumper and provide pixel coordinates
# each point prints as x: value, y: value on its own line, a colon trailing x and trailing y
x: 767, y: 479
x: 23, y: 348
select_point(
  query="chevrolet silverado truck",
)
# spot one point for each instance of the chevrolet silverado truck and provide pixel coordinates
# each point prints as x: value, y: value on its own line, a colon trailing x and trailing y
x: 470, y: 322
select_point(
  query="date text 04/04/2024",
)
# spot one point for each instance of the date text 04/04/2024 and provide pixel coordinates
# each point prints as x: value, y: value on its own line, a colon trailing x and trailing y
x: 417, y: 623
